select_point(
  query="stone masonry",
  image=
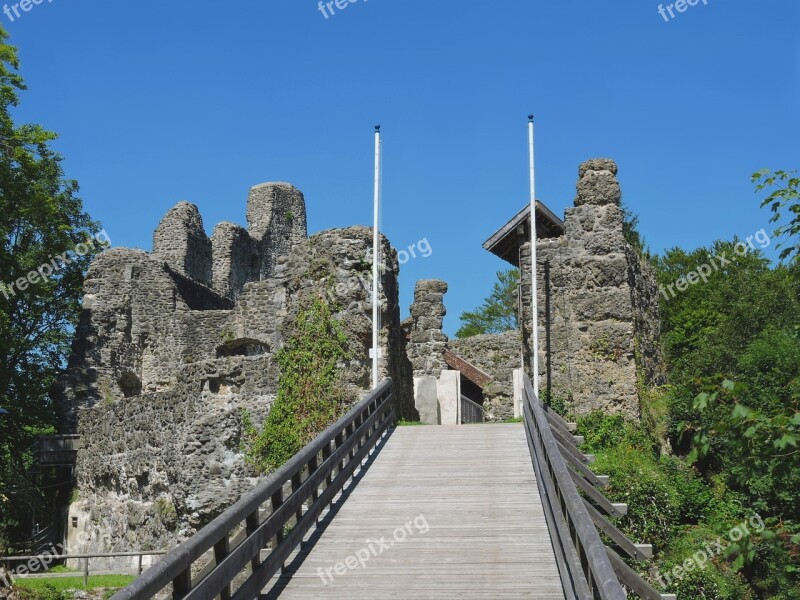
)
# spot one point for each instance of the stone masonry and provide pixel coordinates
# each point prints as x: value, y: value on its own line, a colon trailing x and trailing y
x: 427, y: 341
x: 604, y: 306
x: 174, y: 345
x: 497, y: 354
x: 604, y: 319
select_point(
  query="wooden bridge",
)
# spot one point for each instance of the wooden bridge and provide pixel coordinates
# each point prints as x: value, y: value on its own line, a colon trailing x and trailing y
x: 368, y: 510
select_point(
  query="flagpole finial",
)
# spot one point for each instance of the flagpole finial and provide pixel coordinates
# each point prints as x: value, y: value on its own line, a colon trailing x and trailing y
x: 530, y: 118
x: 377, y: 128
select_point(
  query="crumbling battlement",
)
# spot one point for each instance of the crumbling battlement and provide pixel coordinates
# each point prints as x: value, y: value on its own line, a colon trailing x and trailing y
x: 173, y: 346
x: 603, y: 305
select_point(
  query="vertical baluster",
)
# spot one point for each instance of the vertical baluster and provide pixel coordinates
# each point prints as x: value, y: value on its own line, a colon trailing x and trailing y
x: 182, y: 584
x: 313, y: 465
x: 221, y: 550
x: 297, y: 481
x: 338, y: 441
x: 251, y: 524
x: 326, y: 454
x: 277, y: 501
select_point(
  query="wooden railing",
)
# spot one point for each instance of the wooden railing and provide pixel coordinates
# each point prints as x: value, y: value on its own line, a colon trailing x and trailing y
x: 589, y: 570
x: 282, y: 509
x: 471, y: 412
x: 40, y: 562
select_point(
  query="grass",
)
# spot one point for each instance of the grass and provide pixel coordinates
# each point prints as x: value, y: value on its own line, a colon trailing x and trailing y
x: 74, y: 583
x: 62, y: 569
x: 512, y: 420
x: 403, y: 423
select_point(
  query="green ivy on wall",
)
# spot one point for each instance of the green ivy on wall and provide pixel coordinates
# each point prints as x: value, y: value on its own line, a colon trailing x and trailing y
x: 311, y: 395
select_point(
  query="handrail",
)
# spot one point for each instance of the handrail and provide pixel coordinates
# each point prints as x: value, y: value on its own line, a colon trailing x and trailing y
x: 471, y: 411
x: 330, y: 459
x: 589, y: 570
x: 583, y: 562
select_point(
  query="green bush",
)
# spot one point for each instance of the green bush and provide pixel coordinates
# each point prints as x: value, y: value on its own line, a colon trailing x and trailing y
x: 46, y: 592
x: 311, y: 395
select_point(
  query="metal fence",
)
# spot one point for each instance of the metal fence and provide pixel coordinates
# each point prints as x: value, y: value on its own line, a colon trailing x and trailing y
x: 471, y: 412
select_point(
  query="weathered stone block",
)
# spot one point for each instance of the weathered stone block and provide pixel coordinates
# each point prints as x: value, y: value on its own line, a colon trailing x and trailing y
x: 182, y: 243
x: 276, y: 219
x: 597, y: 183
x: 448, y: 389
x: 426, y: 400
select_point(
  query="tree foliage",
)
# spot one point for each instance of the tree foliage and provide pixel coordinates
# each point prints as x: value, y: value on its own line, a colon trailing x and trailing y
x: 733, y: 349
x: 630, y: 230
x: 498, y: 312
x: 41, y: 217
x: 784, y: 202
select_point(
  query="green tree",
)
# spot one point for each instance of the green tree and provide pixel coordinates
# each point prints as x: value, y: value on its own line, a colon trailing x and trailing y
x: 40, y: 217
x: 498, y: 312
x: 741, y: 324
x: 630, y: 229
x: 785, y: 196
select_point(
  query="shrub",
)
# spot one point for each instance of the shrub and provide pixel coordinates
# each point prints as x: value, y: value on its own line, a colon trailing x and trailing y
x: 311, y: 395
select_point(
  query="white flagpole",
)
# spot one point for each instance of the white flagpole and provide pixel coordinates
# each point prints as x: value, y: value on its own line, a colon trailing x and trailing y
x: 534, y: 302
x: 375, y: 248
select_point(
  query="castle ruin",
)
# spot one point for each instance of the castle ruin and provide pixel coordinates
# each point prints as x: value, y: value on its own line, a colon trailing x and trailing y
x: 173, y: 345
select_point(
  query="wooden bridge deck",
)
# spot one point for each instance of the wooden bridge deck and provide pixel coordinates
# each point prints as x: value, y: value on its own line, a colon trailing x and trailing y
x: 460, y: 516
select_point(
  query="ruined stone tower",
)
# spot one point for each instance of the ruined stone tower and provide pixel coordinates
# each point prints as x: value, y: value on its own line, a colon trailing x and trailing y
x: 601, y: 328
x: 174, y: 345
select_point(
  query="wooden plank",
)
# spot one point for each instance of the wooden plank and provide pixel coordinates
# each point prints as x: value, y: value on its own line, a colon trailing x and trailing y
x: 482, y: 531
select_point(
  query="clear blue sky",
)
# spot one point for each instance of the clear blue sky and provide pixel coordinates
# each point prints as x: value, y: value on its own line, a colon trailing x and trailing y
x: 158, y: 102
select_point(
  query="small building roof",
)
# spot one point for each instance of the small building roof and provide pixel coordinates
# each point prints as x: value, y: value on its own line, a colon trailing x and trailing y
x: 467, y: 369
x: 505, y: 242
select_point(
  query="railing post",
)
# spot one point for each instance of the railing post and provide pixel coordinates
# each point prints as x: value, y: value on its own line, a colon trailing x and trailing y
x: 86, y: 573
x: 313, y: 465
x: 182, y: 584
x: 251, y: 524
x: 338, y: 441
x: 221, y: 551
x: 277, y: 500
x: 326, y: 454
x: 297, y: 481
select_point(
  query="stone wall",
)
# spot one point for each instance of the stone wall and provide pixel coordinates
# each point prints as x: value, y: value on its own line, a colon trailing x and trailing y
x: 603, y: 298
x: 276, y: 220
x: 647, y: 319
x: 497, y: 354
x: 154, y: 468
x: 164, y: 364
x: 181, y: 242
x: 427, y: 341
